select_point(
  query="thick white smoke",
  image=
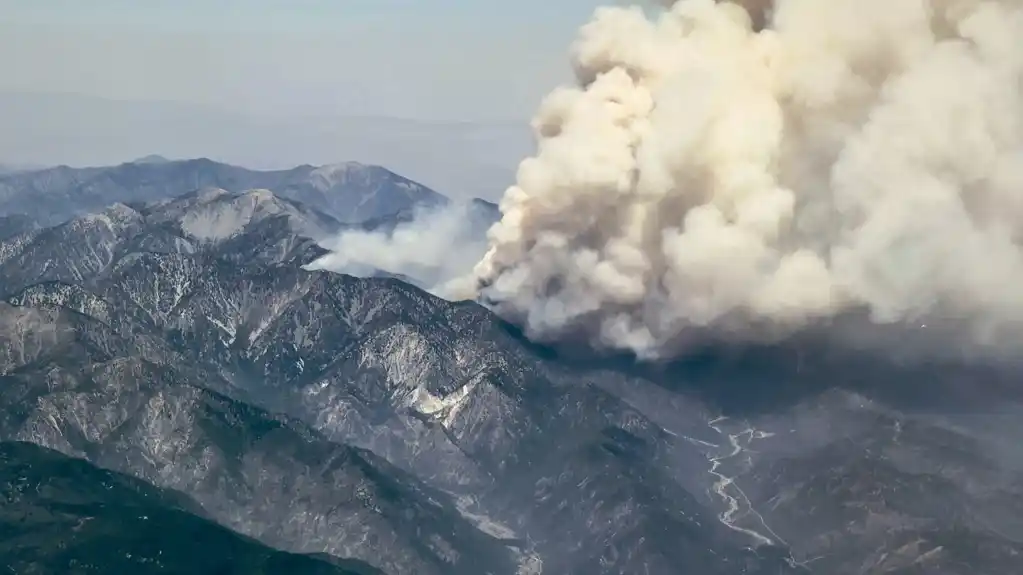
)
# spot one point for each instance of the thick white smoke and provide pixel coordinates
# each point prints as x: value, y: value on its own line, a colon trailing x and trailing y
x: 709, y: 176
x: 434, y: 249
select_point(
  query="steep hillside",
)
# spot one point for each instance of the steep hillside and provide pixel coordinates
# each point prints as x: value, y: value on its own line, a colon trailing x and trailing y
x: 65, y: 515
x: 365, y: 418
x: 254, y: 228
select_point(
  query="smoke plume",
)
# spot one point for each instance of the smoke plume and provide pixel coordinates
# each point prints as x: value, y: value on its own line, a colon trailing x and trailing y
x: 433, y: 250
x: 746, y: 170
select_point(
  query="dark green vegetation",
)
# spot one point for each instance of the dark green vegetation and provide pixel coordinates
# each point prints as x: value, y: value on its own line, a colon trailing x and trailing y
x: 60, y: 515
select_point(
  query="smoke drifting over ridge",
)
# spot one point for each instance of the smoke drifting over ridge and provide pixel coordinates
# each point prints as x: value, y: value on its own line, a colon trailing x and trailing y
x: 707, y: 176
x: 433, y: 249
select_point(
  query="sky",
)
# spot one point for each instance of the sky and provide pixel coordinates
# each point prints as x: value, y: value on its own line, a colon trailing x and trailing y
x: 476, y: 60
x: 440, y: 91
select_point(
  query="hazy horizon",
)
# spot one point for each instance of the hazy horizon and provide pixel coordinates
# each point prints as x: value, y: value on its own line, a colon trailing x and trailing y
x: 459, y: 159
x: 441, y: 93
x: 478, y: 61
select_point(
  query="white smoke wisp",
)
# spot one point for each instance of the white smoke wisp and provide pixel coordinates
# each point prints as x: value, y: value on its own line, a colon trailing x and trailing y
x: 710, y: 177
x: 435, y: 250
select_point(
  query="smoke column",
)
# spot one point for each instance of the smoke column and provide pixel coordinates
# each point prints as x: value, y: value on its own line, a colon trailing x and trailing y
x: 746, y: 170
x: 434, y: 249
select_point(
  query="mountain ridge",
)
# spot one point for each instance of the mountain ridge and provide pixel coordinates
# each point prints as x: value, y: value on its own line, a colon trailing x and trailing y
x: 349, y: 191
x: 213, y: 344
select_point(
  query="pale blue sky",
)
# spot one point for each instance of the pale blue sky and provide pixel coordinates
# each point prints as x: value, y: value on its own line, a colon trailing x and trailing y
x: 276, y: 83
x: 436, y: 59
x: 275, y: 14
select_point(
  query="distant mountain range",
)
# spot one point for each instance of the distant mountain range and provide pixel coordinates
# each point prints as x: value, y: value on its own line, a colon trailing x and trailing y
x: 461, y: 158
x: 349, y: 192
x: 366, y: 424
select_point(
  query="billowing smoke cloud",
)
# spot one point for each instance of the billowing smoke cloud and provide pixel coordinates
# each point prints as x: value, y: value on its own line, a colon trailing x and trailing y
x: 434, y: 250
x: 709, y: 177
